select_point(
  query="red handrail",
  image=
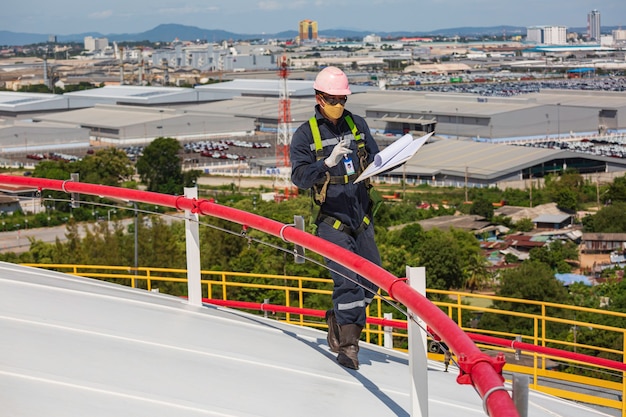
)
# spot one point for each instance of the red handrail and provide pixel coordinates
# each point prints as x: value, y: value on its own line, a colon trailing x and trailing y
x: 490, y: 340
x: 559, y: 353
x: 476, y: 367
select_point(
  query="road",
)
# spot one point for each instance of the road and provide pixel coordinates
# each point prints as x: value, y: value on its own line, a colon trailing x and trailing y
x: 244, y: 182
x: 18, y: 241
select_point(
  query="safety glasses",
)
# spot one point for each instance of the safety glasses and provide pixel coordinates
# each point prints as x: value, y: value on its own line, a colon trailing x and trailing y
x: 333, y: 100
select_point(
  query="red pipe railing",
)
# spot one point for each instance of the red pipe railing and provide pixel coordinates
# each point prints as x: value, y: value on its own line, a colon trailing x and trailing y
x: 529, y: 347
x: 476, y: 368
x: 489, y: 340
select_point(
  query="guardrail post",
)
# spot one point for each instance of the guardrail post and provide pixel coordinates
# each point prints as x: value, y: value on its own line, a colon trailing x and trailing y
x: 74, y: 197
x: 518, y: 352
x: 299, y: 250
x: 388, y: 332
x: 192, y: 244
x: 520, y: 394
x: 265, y: 301
x: 418, y: 360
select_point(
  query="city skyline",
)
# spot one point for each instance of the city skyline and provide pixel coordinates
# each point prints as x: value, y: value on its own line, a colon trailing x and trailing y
x: 65, y: 17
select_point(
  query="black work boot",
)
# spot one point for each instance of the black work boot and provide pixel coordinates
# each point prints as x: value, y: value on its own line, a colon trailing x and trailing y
x: 349, y: 335
x: 333, y: 331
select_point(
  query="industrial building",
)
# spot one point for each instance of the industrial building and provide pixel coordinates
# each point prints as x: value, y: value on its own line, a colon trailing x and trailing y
x: 547, y: 35
x: 210, y: 57
x: 472, y: 145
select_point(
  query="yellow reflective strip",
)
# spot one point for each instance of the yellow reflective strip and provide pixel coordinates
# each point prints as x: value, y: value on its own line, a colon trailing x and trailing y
x: 353, y: 127
x: 337, y: 224
x: 346, y: 179
x: 315, y: 131
x: 366, y: 220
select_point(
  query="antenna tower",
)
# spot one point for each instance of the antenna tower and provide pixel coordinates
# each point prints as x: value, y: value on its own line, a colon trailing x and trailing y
x: 284, y: 131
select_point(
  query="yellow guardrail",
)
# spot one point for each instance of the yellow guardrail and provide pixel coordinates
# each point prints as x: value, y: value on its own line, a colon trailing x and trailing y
x: 295, y: 291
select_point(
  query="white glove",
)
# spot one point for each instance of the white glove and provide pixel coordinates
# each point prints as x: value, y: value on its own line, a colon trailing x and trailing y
x: 340, y: 149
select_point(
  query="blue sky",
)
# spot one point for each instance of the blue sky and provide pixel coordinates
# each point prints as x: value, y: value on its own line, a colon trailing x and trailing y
x: 65, y: 17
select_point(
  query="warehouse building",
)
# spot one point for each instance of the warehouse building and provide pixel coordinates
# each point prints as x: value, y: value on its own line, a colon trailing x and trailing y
x: 471, y: 146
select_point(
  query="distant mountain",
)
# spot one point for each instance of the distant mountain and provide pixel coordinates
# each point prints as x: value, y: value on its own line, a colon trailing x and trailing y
x: 170, y: 32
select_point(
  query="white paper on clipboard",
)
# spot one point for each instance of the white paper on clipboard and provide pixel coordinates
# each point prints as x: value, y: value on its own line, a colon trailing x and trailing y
x: 393, y: 155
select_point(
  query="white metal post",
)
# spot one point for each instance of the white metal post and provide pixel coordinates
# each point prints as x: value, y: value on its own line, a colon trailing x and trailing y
x: 388, y: 335
x: 418, y: 360
x: 192, y: 243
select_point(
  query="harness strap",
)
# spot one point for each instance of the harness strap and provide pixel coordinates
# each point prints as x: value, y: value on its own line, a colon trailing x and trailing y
x: 342, y: 227
x: 320, y: 189
x: 343, y: 179
x: 317, y: 138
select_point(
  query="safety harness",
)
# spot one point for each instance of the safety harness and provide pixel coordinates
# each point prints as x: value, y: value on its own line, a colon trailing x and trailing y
x: 319, y: 190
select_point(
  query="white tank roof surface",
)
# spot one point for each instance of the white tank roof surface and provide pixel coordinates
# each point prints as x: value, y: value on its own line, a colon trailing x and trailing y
x: 74, y: 346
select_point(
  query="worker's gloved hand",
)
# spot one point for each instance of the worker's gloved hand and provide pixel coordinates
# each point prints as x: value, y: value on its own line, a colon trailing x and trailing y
x: 340, y: 149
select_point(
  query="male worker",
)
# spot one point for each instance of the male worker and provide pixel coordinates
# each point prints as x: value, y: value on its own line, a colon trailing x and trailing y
x: 327, y: 154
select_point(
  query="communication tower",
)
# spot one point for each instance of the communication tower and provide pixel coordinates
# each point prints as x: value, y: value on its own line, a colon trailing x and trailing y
x: 284, y: 131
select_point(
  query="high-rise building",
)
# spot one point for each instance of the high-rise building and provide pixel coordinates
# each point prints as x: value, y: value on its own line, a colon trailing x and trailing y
x: 308, y: 30
x: 593, y: 25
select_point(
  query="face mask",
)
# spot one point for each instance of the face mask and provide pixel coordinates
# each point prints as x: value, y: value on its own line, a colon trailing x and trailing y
x: 333, y: 112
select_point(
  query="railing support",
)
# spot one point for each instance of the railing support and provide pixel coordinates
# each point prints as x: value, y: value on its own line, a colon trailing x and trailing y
x: 388, y: 332
x: 192, y: 235
x: 520, y: 394
x: 418, y: 359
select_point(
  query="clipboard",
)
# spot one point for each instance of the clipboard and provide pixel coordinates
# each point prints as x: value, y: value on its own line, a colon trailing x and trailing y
x: 393, y: 155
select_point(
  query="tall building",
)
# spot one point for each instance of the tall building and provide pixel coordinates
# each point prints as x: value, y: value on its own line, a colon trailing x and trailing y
x: 95, y: 44
x: 308, y: 30
x: 547, y: 35
x: 593, y: 25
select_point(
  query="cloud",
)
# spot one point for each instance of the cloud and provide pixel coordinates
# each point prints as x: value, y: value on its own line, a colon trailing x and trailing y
x: 104, y: 14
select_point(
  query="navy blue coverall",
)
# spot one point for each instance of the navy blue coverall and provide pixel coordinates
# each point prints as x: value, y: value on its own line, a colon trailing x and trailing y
x: 349, y: 203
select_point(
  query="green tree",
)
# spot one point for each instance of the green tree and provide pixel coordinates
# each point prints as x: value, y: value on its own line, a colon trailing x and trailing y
x: 482, y: 207
x: 532, y: 280
x: 616, y: 191
x: 609, y: 219
x: 160, y: 167
x: 440, y: 254
x: 566, y: 190
x: 55, y: 170
x: 109, y: 166
x: 556, y: 255
x: 524, y: 225
x: 476, y: 272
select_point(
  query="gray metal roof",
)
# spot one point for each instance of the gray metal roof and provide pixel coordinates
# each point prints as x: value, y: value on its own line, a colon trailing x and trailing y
x: 138, y: 123
x: 517, y: 213
x: 16, y: 102
x: 26, y: 136
x: 296, y: 88
x: 444, y: 103
x: 552, y: 218
x: 130, y: 94
x: 481, y: 160
x: 77, y: 346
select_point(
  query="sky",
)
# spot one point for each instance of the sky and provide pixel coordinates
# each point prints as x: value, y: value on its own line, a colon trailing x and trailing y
x: 67, y: 17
